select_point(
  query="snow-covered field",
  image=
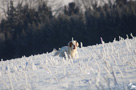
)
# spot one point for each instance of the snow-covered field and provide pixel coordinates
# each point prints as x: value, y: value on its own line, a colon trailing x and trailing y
x: 108, y: 66
x: 56, y: 5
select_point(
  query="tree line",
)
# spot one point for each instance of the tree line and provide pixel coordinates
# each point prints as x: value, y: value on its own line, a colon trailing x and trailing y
x: 27, y: 31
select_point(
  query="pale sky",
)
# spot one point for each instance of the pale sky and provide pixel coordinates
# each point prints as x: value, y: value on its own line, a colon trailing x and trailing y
x: 67, y: 1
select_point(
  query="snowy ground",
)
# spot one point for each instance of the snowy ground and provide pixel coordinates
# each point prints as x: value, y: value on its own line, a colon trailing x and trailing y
x: 108, y: 66
x: 56, y: 5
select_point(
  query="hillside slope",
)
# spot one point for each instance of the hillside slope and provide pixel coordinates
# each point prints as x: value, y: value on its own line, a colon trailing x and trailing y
x: 105, y: 66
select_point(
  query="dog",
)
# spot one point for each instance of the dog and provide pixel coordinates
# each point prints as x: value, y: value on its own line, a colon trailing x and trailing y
x: 69, y: 51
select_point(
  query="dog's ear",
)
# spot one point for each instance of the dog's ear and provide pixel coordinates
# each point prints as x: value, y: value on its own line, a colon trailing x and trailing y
x: 70, y: 44
x: 77, y: 44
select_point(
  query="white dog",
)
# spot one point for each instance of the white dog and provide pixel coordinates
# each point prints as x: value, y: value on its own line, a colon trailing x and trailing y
x: 69, y: 51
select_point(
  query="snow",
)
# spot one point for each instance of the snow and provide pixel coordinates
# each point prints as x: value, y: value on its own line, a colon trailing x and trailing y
x: 56, y: 5
x: 105, y: 66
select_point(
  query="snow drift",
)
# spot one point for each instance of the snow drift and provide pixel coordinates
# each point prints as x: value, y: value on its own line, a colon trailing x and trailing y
x: 108, y: 66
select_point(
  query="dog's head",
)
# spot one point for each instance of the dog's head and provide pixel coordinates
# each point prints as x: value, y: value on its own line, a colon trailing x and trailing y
x: 73, y: 44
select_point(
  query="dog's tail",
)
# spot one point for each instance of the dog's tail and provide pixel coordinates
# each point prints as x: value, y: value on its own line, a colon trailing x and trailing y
x: 55, y: 52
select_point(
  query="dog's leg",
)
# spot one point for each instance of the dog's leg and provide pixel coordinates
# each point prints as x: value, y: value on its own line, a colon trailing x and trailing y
x: 66, y: 55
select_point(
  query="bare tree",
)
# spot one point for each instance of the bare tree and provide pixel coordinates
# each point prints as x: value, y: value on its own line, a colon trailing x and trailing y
x: 84, y: 4
x: 3, y: 8
x: 57, y: 6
